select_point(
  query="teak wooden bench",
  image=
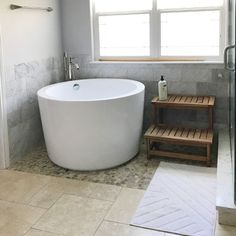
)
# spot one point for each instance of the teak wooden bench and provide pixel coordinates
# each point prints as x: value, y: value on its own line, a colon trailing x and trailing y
x: 161, y: 133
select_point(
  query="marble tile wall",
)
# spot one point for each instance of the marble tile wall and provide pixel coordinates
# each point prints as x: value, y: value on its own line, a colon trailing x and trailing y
x: 23, y: 82
x: 25, y: 79
x: 195, y: 79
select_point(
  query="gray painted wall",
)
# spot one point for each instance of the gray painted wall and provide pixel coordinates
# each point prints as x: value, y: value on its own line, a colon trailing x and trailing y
x: 32, y: 51
x: 183, y: 78
x: 76, y: 30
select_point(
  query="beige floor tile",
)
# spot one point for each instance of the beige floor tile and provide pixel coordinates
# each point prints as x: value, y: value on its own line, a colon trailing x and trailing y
x: 225, y: 227
x: 125, y: 206
x: 20, y: 187
x: 225, y: 230
x: 35, y: 232
x: 117, y: 229
x: 219, y: 232
x: 16, y: 219
x: 69, y: 186
x: 14, y: 228
x: 105, y: 192
x: 45, y: 198
x: 58, y: 186
x: 73, y: 215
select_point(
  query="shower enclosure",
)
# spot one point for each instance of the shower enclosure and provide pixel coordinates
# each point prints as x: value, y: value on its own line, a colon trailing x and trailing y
x: 230, y: 66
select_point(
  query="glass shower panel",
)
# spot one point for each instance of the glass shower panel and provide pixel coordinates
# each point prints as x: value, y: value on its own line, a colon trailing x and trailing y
x: 232, y: 86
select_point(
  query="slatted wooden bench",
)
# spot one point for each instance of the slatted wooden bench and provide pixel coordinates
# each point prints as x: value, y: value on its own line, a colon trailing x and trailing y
x: 161, y: 133
x: 185, y: 102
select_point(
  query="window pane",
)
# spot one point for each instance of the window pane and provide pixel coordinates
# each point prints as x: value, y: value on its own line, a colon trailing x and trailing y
x: 124, y: 35
x: 122, y: 5
x: 170, y: 4
x: 190, y: 33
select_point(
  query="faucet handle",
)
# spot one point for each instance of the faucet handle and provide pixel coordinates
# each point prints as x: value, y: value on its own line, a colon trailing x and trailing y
x: 65, y: 55
x: 73, y: 58
x: 76, y: 65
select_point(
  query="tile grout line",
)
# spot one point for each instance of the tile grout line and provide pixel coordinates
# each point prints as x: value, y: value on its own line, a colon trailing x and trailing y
x: 117, y: 222
x: 27, y: 231
x: 23, y: 204
x: 44, y: 231
x: 47, y: 208
x: 151, y: 230
x: 99, y: 225
x: 44, y: 186
x: 107, y: 213
x: 114, y: 202
x: 45, y: 213
x: 64, y: 194
x: 82, y: 196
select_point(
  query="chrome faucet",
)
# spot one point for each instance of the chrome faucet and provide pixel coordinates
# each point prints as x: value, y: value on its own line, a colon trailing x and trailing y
x: 68, y: 67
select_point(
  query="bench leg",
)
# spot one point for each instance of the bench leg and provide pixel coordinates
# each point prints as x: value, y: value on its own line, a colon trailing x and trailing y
x: 208, y: 155
x: 148, y: 148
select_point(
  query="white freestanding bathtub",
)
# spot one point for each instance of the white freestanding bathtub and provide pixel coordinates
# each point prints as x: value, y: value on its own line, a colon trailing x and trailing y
x: 92, y: 124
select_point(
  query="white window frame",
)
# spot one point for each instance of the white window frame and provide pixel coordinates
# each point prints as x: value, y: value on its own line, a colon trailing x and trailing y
x: 155, y: 33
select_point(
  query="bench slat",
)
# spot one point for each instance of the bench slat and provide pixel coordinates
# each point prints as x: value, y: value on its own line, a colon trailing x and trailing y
x: 185, y: 101
x: 186, y: 135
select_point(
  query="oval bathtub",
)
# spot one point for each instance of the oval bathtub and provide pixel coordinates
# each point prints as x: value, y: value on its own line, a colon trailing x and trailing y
x: 92, y: 124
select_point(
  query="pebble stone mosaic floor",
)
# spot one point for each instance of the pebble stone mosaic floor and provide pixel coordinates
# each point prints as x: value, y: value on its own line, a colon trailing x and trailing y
x: 137, y: 173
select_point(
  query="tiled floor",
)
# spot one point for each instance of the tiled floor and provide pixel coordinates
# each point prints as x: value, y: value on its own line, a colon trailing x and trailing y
x: 37, y: 205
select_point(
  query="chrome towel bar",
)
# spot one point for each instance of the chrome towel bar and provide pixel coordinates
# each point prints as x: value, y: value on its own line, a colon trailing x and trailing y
x: 14, y: 7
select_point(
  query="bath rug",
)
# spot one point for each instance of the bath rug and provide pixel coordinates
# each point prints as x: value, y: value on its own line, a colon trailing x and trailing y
x: 180, y: 199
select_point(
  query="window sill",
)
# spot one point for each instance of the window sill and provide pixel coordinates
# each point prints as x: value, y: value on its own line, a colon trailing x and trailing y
x: 159, y: 62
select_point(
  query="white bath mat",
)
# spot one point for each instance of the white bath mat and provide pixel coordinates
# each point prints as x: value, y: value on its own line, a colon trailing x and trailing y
x: 180, y: 199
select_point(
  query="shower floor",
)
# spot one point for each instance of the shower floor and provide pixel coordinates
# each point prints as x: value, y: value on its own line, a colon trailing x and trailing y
x: 137, y: 173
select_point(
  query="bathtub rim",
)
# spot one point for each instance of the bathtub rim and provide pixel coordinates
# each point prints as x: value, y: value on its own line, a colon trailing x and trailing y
x: 41, y: 93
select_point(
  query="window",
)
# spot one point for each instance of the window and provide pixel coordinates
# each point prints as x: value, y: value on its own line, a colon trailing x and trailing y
x: 158, y: 29
x: 116, y: 39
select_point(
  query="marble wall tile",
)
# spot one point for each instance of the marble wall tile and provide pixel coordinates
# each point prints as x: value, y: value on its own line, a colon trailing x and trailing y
x: 140, y: 74
x: 177, y: 87
x: 150, y: 92
x: 25, y: 79
x: 217, y: 73
x: 23, y: 82
x: 222, y: 103
x: 190, y: 78
x: 195, y: 74
x: 24, y: 137
x: 215, y: 89
x: 178, y: 116
x: 173, y: 73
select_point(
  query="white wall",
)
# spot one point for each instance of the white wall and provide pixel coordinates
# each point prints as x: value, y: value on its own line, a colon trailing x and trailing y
x: 76, y: 26
x: 4, y: 150
x: 30, y: 34
x: 31, y: 38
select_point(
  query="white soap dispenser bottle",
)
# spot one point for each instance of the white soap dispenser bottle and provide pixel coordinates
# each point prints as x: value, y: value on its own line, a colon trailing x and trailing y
x: 162, y: 89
